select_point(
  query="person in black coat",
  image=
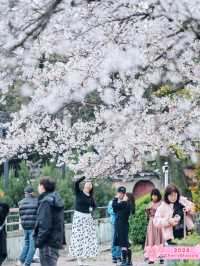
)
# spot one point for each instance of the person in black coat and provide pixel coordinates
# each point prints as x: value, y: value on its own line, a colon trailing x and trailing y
x: 4, y: 210
x: 49, y: 227
x: 123, y: 207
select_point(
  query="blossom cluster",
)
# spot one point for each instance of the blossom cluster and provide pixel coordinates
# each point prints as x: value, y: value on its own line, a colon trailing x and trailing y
x: 60, y: 51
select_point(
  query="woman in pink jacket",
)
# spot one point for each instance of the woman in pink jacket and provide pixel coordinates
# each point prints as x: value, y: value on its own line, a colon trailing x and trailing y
x: 170, y: 214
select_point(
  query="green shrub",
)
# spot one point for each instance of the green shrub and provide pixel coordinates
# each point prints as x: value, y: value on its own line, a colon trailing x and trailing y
x: 190, y: 240
x: 138, y: 222
x: 187, y: 263
x: 143, y: 201
x: 16, y: 186
x: 103, y: 190
x: 64, y: 184
x: 65, y: 188
x: 103, y: 193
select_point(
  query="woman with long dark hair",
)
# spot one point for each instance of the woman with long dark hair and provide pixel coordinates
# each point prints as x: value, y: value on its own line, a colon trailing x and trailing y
x: 154, y: 234
x: 124, y: 208
x: 4, y: 210
x: 83, y: 239
x: 173, y: 212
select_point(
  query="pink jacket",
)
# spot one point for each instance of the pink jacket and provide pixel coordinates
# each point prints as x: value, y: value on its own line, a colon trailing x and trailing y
x: 165, y: 211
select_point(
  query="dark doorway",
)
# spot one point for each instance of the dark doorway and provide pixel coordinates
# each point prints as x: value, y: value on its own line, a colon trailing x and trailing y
x: 142, y: 188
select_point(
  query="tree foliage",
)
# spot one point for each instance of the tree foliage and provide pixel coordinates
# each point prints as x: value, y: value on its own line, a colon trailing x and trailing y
x: 103, y: 191
x: 100, y: 74
x: 195, y: 189
x: 17, y: 184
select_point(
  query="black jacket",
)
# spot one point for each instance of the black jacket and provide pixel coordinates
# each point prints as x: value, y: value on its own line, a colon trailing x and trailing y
x: 83, y: 202
x: 178, y: 230
x: 49, y: 229
x: 123, y: 211
x: 28, y: 212
x: 4, y: 210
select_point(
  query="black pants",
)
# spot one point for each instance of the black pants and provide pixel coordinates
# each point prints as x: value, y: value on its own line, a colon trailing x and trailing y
x: 2, y: 258
x: 48, y: 256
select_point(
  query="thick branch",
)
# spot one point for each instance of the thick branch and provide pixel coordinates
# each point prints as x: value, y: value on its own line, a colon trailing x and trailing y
x: 37, y: 27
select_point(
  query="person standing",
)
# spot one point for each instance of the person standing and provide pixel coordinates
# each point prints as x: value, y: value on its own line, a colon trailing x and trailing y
x: 174, y: 213
x: 116, y: 250
x: 28, y: 213
x: 83, y: 238
x: 123, y: 207
x: 4, y: 210
x: 49, y: 228
x: 154, y: 234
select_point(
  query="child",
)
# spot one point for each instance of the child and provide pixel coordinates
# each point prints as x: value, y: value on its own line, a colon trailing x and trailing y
x: 154, y: 234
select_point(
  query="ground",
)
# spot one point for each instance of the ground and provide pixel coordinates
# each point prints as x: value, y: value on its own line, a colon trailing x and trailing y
x: 103, y: 259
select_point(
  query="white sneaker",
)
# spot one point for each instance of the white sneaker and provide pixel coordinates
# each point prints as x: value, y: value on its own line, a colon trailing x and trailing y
x: 19, y: 263
x: 79, y: 262
x: 86, y: 263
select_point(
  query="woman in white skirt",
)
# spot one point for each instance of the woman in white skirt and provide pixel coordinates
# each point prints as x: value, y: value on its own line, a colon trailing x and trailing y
x: 83, y: 239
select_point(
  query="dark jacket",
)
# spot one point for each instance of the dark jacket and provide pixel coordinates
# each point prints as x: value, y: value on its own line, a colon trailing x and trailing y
x: 50, y: 219
x: 4, y: 210
x: 178, y: 230
x: 28, y: 212
x: 83, y: 202
x: 123, y: 211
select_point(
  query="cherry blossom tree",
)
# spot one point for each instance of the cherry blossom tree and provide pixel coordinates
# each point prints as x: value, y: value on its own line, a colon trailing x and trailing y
x: 134, y: 65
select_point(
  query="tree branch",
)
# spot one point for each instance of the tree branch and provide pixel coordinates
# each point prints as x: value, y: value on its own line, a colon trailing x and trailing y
x: 36, y: 27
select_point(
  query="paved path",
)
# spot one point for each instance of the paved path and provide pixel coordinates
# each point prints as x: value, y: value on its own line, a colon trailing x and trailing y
x: 102, y: 260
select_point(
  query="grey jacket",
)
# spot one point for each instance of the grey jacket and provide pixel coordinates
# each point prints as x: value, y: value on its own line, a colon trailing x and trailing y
x: 28, y: 212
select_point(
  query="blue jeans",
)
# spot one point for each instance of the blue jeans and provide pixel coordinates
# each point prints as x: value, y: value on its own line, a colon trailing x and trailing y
x: 28, y: 251
x: 116, y: 251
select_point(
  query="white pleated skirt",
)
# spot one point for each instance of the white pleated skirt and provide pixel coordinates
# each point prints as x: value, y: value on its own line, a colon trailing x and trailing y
x: 83, y: 242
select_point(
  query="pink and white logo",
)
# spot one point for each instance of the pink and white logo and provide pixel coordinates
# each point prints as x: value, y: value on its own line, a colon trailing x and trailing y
x: 172, y: 253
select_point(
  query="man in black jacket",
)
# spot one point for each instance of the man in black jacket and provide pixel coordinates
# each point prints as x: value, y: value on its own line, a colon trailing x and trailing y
x: 49, y: 225
x: 28, y: 214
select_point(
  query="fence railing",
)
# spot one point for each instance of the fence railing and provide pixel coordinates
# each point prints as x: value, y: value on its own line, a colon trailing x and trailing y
x: 197, y: 222
x: 13, y: 220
